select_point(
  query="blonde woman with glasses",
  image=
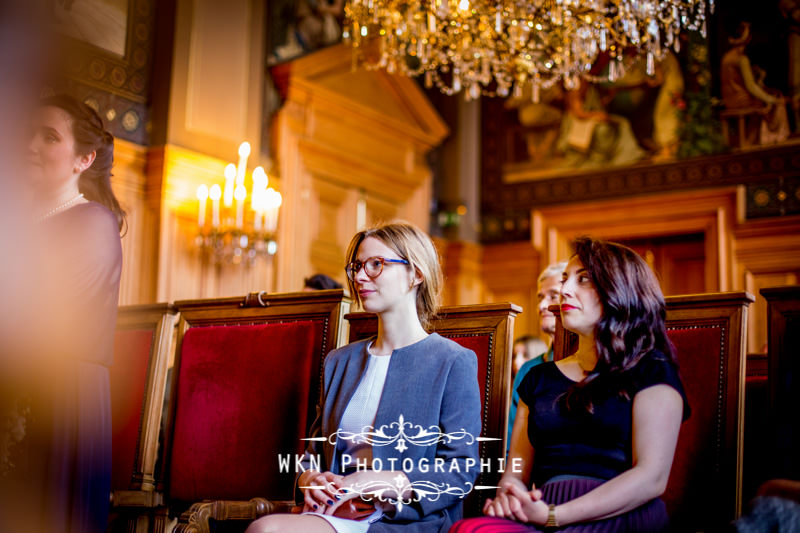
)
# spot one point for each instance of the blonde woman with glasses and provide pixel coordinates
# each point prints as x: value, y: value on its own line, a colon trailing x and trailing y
x: 402, y: 380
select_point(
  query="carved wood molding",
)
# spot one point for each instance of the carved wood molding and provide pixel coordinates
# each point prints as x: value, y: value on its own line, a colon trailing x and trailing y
x: 309, y: 82
x: 773, y: 174
x: 195, y: 520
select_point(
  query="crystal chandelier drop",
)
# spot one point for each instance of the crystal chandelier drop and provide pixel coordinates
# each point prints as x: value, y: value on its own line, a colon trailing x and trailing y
x: 497, y: 47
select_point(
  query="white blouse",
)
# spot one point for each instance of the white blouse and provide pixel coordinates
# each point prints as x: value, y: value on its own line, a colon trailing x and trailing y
x: 362, y: 408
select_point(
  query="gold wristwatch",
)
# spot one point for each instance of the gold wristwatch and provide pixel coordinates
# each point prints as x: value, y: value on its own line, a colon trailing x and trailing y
x: 551, y: 516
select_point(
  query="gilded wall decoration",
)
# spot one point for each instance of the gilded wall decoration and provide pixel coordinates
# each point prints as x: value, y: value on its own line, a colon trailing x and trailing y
x: 108, y: 60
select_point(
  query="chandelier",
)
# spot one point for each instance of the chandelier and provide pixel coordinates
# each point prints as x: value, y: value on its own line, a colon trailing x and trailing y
x: 239, y: 231
x: 497, y: 47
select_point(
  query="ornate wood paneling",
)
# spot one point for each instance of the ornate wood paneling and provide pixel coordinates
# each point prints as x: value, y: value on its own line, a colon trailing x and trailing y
x: 343, y: 138
x: 129, y: 183
x: 710, y: 212
x: 766, y: 254
x: 463, y: 272
x: 737, y: 253
x: 510, y: 271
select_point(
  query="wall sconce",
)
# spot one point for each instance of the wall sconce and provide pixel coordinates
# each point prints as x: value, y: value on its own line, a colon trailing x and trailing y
x: 238, y: 233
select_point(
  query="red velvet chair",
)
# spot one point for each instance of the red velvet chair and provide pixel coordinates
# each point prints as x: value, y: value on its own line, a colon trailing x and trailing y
x: 142, y: 352
x: 486, y: 329
x: 708, y: 332
x: 245, y: 384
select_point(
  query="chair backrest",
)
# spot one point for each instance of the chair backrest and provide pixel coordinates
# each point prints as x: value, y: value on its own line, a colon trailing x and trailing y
x: 244, y: 388
x: 708, y: 332
x: 486, y: 329
x: 142, y: 351
x: 783, y: 325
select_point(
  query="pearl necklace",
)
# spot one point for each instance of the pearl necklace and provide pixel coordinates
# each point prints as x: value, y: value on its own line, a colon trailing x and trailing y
x: 63, y: 207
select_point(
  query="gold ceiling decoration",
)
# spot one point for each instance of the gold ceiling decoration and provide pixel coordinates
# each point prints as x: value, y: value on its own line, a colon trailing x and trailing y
x: 497, y: 47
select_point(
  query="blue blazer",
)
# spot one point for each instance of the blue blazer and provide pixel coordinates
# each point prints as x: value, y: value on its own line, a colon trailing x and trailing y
x: 432, y: 382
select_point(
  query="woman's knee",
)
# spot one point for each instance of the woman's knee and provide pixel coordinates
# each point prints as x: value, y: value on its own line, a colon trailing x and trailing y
x: 265, y: 524
x: 290, y: 522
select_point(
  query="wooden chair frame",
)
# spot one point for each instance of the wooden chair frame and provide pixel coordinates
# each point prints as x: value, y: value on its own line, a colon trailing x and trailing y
x: 142, y: 494
x: 497, y: 321
x: 256, y: 308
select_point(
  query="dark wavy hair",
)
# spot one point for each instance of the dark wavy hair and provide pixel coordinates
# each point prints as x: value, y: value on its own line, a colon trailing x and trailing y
x: 632, y: 324
x: 91, y: 136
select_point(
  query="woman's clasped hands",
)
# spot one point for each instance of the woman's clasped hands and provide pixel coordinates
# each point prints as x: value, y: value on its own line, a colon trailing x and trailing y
x: 515, y: 502
x: 322, y: 490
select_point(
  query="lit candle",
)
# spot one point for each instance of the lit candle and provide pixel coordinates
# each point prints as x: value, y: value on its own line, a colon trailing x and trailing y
x: 230, y: 175
x: 272, y: 204
x: 244, y: 152
x: 240, y: 193
x: 215, y: 193
x: 260, y: 181
x: 278, y: 202
x: 257, y: 220
x: 202, y: 196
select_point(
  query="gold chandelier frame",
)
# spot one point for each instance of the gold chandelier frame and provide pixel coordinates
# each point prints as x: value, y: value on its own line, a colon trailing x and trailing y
x: 497, y: 47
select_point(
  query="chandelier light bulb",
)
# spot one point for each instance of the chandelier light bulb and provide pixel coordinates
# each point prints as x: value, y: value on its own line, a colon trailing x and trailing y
x: 244, y: 149
x: 202, y: 192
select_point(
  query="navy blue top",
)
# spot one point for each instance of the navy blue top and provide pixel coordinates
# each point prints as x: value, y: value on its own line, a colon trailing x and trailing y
x: 523, y: 371
x: 596, y: 445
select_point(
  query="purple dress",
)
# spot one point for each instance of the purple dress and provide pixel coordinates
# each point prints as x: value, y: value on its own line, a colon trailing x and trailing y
x: 63, y: 478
